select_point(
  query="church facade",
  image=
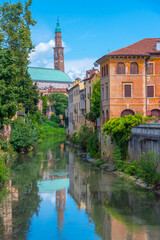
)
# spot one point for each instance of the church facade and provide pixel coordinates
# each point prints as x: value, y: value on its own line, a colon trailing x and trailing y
x: 52, y: 78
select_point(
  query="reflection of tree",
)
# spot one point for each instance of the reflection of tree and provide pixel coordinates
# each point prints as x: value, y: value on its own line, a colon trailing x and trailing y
x: 25, y: 174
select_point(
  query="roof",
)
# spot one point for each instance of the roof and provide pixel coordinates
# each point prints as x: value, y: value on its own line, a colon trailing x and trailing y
x: 144, y: 47
x: 52, y: 185
x: 48, y: 75
x: 58, y: 29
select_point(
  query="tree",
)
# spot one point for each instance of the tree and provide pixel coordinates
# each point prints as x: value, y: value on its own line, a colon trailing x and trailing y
x: 95, y: 100
x: 8, y: 90
x: 15, y: 21
x: 59, y: 103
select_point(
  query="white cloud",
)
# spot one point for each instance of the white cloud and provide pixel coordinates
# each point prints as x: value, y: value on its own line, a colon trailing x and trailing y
x: 48, y: 197
x: 43, y: 57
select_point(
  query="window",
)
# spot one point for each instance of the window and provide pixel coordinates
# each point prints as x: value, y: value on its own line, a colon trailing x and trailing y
x: 120, y: 68
x: 102, y: 92
x: 150, y: 91
x: 106, y: 69
x: 102, y: 71
x: 158, y: 46
x: 150, y: 69
x: 107, y: 92
x: 56, y: 53
x: 134, y: 68
x: 127, y: 88
x: 61, y: 53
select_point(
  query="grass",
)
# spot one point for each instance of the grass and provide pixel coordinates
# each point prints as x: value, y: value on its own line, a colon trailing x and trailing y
x: 48, y: 129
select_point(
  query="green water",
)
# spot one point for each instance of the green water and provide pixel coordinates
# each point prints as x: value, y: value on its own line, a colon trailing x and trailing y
x: 54, y: 194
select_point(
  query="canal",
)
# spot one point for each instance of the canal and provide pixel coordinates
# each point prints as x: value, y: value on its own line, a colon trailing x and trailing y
x: 54, y: 194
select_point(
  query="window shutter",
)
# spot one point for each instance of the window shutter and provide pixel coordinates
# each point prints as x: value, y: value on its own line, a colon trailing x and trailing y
x: 150, y: 91
x: 120, y: 68
x: 127, y: 91
x: 150, y: 69
x: 134, y: 68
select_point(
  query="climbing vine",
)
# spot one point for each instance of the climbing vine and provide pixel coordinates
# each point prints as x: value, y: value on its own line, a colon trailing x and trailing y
x: 120, y: 130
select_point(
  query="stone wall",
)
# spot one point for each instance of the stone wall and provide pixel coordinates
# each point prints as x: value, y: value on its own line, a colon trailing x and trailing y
x: 144, y: 138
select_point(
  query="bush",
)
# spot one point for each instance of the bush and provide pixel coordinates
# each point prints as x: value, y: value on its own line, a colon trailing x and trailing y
x: 23, y: 135
x: 4, y: 171
x: 93, y: 146
x: 99, y: 162
x: 131, y: 168
x: 118, y: 159
x: 148, y: 167
x: 74, y: 139
x: 55, y: 119
x: 83, y: 135
x: 120, y: 130
x: 3, y: 144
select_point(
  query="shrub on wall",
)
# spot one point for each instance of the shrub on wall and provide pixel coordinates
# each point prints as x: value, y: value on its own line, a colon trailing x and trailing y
x: 120, y: 130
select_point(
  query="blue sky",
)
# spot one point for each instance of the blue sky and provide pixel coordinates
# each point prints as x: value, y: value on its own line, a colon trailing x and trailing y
x: 91, y: 29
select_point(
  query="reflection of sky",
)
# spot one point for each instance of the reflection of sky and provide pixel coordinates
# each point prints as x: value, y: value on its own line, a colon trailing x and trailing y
x: 76, y: 222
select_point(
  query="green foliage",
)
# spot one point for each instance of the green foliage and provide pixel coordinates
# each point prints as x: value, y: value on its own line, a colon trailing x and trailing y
x: 4, y: 170
x: 83, y: 135
x: 131, y: 168
x: 120, y: 130
x: 96, y: 98
x: 8, y: 97
x: 74, y: 139
x: 23, y: 135
x: 15, y: 21
x: 118, y: 159
x: 49, y: 128
x: 44, y: 101
x: 95, y: 101
x: 3, y: 144
x: 148, y: 167
x: 93, y: 146
x: 55, y: 118
x: 59, y: 103
x: 99, y: 162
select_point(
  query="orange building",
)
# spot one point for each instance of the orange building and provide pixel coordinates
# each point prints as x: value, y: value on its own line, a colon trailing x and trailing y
x: 130, y: 80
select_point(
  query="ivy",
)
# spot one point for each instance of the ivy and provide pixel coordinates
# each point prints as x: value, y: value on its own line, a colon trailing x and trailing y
x: 120, y: 130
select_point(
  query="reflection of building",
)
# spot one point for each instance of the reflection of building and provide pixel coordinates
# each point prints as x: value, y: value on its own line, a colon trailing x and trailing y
x: 6, y: 211
x: 60, y: 205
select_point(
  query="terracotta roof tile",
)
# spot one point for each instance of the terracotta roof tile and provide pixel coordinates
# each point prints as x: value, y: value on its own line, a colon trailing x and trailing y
x: 144, y: 47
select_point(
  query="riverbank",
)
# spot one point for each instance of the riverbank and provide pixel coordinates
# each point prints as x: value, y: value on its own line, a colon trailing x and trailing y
x: 109, y: 167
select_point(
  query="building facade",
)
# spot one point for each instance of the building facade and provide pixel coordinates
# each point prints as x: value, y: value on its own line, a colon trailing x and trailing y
x: 79, y: 101
x: 130, y: 80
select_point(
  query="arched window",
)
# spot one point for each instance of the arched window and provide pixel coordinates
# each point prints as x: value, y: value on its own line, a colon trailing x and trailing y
x: 155, y: 113
x: 120, y: 68
x: 56, y: 53
x: 61, y: 53
x: 106, y: 69
x: 127, y: 112
x: 134, y: 69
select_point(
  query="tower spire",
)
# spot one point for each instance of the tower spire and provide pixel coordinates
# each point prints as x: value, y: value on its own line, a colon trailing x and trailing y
x: 58, y: 49
x: 58, y: 29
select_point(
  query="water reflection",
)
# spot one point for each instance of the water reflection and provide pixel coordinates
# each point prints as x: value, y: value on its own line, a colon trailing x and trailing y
x: 54, y: 194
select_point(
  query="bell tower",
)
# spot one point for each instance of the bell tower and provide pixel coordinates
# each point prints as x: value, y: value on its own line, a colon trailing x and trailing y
x: 58, y: 49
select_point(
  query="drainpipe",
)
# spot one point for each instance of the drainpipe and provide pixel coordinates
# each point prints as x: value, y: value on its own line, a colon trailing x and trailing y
x: 146, y: 67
